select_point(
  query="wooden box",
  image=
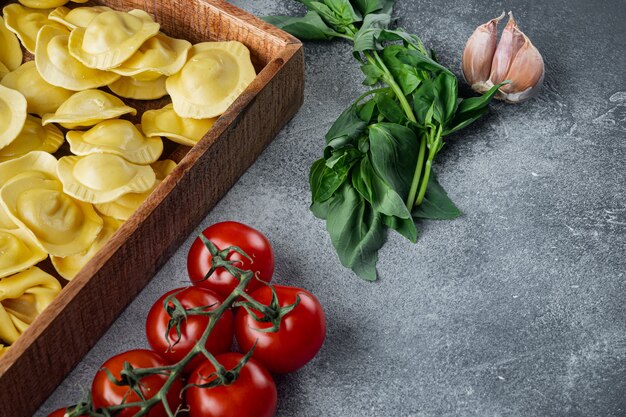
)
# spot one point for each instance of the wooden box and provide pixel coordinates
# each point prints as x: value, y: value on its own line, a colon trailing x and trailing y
x: 86, y: 307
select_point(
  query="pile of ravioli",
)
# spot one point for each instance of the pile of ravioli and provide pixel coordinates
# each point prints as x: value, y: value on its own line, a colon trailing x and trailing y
x: 87, y: 60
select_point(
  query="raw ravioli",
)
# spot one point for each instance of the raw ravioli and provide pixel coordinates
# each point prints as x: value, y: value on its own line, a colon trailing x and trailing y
x: 215, y: 74
x: 12, y: 115
x: 131, y: 87
x: 19, y: 252
x: 70, y: 266
x: 119, y: 137
x: 62, y: 225
x: 58, y: 67
x: 25, y: 22
x: 10, y: 51
x: 102, y: 178
x: 22, y: 297
x: 88, y: 108
x: 41, y: 96
x: 78, y: 17
x: 33, y: 137
x: 126, y: 205
x: 165, y: 122
x: 111, y: 38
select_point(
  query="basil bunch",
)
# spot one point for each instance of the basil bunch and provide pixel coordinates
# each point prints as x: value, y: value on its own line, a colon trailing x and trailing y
x: 376, y: 169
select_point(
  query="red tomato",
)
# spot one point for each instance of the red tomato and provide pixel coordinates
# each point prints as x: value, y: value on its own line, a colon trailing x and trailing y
x: 223, y: 235
x: 59, y: 413
x: 253, y: 394
x: 192, y: 328
x: 301, y: 334
x: 106, y: 394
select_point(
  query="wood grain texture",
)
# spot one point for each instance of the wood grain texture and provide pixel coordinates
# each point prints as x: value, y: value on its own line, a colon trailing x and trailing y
x: 87, y: 306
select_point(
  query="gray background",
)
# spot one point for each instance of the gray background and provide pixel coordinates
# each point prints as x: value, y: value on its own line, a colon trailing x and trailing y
x: 516, y: 309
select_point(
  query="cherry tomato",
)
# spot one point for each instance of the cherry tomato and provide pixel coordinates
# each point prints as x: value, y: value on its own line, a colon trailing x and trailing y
x: 223, y: 235
x: 301, y: 334
x: 219, y: 341
x: 252, y: 394
x: 106, y: 394
x: 59, y: 413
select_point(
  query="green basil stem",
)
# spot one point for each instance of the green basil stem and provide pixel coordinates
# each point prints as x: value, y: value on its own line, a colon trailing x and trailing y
x: 410, y: 202
x: 433, y: 147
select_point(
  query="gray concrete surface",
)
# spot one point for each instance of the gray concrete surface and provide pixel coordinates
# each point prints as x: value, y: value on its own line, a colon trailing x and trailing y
x: 515, y: 309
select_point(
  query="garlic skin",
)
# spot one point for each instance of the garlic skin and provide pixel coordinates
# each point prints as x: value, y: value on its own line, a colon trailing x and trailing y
x: 515, y: 59
x: 478, y: 54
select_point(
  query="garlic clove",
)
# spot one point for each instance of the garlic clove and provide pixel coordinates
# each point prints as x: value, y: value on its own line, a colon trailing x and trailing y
x: 526, y: 74
x: 510, y: 43
x: 478, y: 54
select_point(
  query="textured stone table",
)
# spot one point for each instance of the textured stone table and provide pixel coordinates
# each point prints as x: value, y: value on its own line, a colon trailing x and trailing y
x: 516, y: 309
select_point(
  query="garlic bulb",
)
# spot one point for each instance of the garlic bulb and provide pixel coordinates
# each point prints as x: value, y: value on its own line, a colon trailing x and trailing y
x: 514, y: 59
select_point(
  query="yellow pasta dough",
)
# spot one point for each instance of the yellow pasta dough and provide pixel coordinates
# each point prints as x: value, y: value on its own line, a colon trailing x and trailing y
x: 88, y: 108
x: 165, y: 122
x: 41, y: 96
x: 102, y: 178
x: 78, y: 17
x: 131, y: 87
x: 70, y: 266
x: 58, y: 67
x: 123, y: 207
x: 159, y: 55
x: 33, y: 137
x: 3, y: 70
x: 111, y: 38
x: 119, y: 137
x: 22, y: 297
x: 10, y: 51
x: 12, y: 115
x: 215, y: 74
x: 19, y: 251
x: 62, y: 225
x: 25, y: 22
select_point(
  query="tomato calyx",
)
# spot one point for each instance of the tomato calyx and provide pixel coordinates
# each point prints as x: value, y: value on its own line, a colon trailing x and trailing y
x: 219, y: 259
x: 222, y: 376
x: 178, y: 313
x: 273, y: 313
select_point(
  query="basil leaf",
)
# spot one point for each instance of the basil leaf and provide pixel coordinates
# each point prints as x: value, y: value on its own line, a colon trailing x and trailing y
x: 436, y: 204
x: 326, y: 176
x: 373, y: 74
x: 393, y: 153
x: 309, y: 27
x: 446, y: 92
x: 356, y: 232
x: 328, y: 15
x: 349, y: 125
x: 425, y: 103
x: 370, y: 6
x: 406, y: 227
x: 376, y: 191
x: 366, y: 112
x: 408, y: 77
x: 417, y: 59
x: 320, y: 209
x: 389, y: 108
x: 471, y: 109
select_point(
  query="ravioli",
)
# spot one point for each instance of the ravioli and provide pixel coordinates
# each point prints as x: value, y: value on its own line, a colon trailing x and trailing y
x: 102, y: 178
x: 118, y: 137
x: 131, y: 87
x: 58, y: 67
x: 215, y: 74
x: 33, y: 137
x: 123, y: 207
x: 41, y: 97
x: 111, y: 38
x: 10, y: 52
x: 62, y: 225
x: 88, y: 108
x: 25, y: 22
x: 70, y: 266
x: 78, y: 17
x: 12, y: 115
x: 159, y: 55
x: 3, y: 70
x: 165, y: 122
x: 22, y: 297
x: 19, y: 252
